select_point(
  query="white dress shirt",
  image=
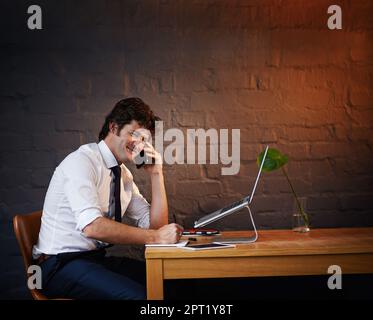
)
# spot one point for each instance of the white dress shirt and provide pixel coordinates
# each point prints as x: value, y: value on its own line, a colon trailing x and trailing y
x: 82, y: 190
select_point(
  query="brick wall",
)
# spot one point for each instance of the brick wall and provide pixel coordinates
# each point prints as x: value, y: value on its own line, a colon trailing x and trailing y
x: 270, y: 68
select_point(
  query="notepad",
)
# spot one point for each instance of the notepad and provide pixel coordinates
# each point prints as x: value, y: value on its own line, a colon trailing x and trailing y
x: 209, y: 246
x: 178, y: 244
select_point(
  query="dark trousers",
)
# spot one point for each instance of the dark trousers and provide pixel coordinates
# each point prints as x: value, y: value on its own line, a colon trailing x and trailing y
x: 91, y: 275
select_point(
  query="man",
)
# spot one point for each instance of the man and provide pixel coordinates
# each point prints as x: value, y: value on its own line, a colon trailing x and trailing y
x: 88, y: 194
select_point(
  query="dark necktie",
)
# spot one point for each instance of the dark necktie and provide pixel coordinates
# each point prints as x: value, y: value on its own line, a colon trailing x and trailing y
x: 118, y: 208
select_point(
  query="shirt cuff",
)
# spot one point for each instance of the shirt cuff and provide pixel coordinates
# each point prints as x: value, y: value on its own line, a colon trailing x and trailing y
x: 87, y: 217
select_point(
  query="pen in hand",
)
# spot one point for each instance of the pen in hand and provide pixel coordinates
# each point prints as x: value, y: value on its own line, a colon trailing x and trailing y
x: 175, y: 221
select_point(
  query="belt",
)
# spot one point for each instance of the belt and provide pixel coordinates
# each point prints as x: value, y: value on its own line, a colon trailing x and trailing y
x: 68, y: 256
x: 42, y: 258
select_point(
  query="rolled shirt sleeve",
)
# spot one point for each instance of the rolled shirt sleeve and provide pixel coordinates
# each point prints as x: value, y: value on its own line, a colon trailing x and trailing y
x: 81, y: 191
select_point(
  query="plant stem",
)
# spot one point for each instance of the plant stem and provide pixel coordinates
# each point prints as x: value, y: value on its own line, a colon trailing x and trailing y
x: 301, y: 210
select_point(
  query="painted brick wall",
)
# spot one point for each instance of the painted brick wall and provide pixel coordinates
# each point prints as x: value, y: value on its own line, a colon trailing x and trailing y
x: 270, y: 68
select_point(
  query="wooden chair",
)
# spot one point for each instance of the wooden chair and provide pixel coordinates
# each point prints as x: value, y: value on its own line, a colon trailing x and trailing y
x: 26, y: 228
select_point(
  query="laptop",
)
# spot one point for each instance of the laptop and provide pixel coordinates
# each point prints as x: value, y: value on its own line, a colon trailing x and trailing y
x: 234, y: 207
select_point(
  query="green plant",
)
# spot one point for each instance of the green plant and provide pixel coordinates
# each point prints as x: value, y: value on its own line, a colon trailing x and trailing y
x: 276, y: 160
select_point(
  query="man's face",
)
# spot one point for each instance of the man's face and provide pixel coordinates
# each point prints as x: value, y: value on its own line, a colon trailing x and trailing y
x: 127, y: 143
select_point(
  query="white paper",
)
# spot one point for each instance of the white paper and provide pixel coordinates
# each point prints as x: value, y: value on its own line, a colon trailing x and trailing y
x: 209, y: 246
x: 178, y: 244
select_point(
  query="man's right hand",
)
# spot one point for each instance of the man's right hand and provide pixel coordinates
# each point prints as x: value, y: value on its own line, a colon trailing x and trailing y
x: 170, y: 233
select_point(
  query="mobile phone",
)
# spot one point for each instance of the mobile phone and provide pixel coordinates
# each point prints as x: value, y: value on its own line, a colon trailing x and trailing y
x: 200, y: 231
x: 142, y: 159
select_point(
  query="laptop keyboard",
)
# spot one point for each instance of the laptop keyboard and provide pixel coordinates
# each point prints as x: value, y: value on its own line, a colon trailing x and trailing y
x: 233, y: 205
x: 213, y: 214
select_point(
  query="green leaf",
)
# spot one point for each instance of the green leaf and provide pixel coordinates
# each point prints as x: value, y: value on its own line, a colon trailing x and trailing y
x: 274, y: 160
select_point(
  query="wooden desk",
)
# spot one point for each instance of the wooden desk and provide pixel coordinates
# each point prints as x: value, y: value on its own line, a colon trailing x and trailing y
x: 276, y: 253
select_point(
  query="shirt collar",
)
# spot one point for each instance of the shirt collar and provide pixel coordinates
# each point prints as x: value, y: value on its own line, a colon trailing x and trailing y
x: 107, y: 155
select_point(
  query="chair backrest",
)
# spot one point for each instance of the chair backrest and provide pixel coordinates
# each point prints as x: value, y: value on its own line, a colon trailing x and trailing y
x: 26, y: 229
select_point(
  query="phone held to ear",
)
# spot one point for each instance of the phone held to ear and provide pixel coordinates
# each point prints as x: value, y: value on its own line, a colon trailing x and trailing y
x: 142, y: 159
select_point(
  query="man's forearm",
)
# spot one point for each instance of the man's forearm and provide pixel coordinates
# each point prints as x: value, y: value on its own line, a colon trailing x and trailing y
x: 159, y: 206
x: 110, y: 231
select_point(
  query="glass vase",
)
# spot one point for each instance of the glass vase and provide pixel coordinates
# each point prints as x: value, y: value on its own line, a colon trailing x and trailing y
x: 299, y: 222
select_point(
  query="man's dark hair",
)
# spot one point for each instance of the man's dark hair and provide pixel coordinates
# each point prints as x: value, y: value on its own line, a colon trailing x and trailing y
x: 127, y: 110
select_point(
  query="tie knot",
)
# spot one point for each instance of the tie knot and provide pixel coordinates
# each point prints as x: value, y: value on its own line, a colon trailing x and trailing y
x: 116, y: 170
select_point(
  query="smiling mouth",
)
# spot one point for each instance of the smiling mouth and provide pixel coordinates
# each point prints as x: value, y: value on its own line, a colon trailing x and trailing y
x: 131, y: 147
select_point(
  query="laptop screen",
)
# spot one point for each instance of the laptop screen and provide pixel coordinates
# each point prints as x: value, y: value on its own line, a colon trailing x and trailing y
x: 216, y: 215
x: 257, y: 177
